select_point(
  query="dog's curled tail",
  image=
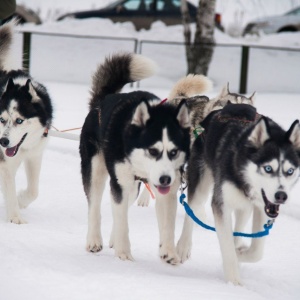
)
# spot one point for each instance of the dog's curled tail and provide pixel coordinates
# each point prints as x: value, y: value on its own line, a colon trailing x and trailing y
x: 116, y: 71
x: 191, y: 85
x: 6, y: 41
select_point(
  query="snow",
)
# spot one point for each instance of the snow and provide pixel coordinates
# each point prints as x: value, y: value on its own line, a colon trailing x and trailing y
x: 46, y: 258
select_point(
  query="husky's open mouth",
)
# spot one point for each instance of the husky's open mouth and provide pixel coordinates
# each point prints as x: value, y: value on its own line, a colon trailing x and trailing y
x: 163, y: 189
x: 14, y: 150
x: 271, y: 209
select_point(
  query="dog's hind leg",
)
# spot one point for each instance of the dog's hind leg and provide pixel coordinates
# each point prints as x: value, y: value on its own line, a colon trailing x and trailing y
x: 94, y: 192
x: 241, y: 218
x: 197, y: 200
x: 223, y: 222
x: 32, y: 168
x: 8, y: 186
x: 255, y: 252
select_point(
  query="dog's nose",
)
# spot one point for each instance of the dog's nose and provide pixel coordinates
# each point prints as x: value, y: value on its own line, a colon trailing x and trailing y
x: 4, y: 142
x: 280, y: 197
x: 165, y: 180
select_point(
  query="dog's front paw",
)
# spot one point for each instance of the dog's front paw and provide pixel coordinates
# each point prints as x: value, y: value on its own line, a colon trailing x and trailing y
x: 124, y: 255
x: 25, y: 198
x: 169, y: 255
x: 94, y: 243
x: 235, y: 281
x: 242, y: 248
x: 232, y: 276
x: 143, y: 199
x: 17, y: 219
x: 184, y: 250
x: 246, y: 254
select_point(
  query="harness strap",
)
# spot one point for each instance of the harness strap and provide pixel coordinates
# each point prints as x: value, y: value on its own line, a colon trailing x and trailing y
x: 145, y: 182
x: 267, y: 227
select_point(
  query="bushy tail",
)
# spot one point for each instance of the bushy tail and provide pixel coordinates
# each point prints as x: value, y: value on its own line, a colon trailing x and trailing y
x: 6, y: 41
x: 190, y: 85
x: 116, y: 71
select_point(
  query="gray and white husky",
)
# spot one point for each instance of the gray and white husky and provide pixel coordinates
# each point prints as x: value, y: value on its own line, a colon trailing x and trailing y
x: 25, y: 117
x: 131, y: 137
x: 250, y: 164
x: 192, y: 89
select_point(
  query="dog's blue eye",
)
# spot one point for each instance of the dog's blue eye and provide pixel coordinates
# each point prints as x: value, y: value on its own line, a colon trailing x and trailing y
x: 2, y: 120
x: 290, y: 171
x: 173, y: 153
x: 19, y: 121
x: 268, y: 169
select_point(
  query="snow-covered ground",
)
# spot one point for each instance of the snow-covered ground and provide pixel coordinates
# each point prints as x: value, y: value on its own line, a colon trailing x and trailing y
x: 46, y: 258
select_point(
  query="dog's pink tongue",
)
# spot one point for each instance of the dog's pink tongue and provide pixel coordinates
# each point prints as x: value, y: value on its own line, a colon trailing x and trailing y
x: 11, y: 151
x: 163, y: 189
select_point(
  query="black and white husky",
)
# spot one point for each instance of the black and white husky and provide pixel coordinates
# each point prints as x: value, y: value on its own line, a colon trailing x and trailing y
x: 25, y: 117
x: 131, y: 137
x: 251, y: 164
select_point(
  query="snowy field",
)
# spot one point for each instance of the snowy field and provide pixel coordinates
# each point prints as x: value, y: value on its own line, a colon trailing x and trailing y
x: 46, y: 258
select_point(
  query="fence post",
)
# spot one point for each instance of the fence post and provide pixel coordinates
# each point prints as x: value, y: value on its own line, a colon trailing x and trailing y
x: 26, y: 51
x: 244, y: 69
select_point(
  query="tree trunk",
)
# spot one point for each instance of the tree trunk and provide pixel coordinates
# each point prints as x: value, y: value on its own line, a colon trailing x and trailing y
x: 199, y: 54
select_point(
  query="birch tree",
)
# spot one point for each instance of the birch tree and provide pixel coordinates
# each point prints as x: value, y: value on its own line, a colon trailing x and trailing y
x: 199, y: 52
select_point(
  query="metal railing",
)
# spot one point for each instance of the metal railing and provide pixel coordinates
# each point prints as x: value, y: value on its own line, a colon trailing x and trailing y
x: 27, y: 42
x: 138, y: 48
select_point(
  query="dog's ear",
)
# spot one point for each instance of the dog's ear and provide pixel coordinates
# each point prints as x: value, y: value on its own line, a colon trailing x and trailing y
x: 9, y: 85
x: 30, y: 89
x: 253, y: 98
x: 224, y: 91
x: 183, y: 115
x: 141, y: 115
x: 293, y: 134
x: 259, y: 134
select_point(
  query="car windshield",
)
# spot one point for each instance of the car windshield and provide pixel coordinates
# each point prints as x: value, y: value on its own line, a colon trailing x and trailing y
x: 294, y: 12
x: 114, y: 4
x: 146, y: 4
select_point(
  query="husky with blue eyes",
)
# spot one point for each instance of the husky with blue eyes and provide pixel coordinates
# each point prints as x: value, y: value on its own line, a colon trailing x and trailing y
x: 25, y: 117
x: 250, y: 164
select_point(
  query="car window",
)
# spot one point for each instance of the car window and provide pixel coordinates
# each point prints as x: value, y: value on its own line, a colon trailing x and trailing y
x: 294, y: 12
x: 138, y: 5
x: 167, y: 5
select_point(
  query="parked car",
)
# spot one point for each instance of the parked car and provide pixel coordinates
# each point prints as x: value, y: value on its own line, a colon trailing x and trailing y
x: 24, y: 15
x: 290, y: 21
x: 142, y: 13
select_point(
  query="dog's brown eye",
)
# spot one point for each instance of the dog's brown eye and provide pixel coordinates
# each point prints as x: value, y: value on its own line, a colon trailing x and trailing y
x: 153, y: 152
x: 2, y: 120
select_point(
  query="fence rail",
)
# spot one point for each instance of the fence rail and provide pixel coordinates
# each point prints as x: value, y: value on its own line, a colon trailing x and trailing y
x: 138, y: 48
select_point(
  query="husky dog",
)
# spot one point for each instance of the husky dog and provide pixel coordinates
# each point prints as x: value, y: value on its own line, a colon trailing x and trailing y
x: 131, y: 137
x: 191, y: 88
x: 25, y: 117
x: 250, y: 163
